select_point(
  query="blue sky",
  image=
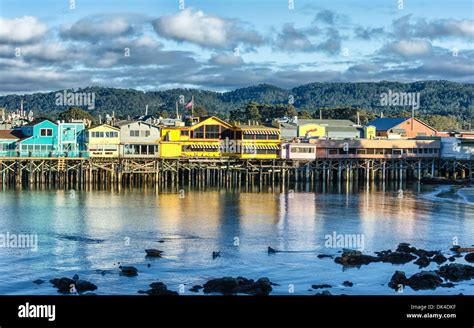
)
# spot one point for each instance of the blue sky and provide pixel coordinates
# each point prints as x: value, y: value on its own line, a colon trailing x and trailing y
x: 223, y: 45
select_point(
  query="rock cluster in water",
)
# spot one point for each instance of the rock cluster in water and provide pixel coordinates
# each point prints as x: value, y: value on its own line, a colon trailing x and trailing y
x: 239, y: 285
x: 66, y: 285
x: 159, y: 289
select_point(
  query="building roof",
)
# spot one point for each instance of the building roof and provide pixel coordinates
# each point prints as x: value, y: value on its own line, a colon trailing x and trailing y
x: 342, y: 129
x: 255, y: 127
x: 327, y: 122
x: 11, y: 134
x: 386, y: 123
x: 38, y: 121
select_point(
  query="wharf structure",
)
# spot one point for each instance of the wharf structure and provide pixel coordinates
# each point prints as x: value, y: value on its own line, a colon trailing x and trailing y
x: 213, y: 151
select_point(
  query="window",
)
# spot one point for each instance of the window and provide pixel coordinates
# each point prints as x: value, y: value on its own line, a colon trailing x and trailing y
x: 134, y: 133
x: 199, y: 133
x: 212, y: 131
x: 333, y: 151
x: 361, y: 151
x: 184, y: 133
x: 249, y: 136
x: 46, y: 132
x: 147, y: 133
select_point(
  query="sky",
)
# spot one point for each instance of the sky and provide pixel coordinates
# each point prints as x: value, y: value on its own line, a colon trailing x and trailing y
x: 48, y: 45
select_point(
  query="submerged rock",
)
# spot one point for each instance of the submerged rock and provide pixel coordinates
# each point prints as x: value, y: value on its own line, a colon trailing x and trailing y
x: 128, y: 271
x: 469, y: 257
x: 66, y: 285
x: 396, y: 257
x: 321, y: 256
x: 216, y: 255
x: 153, y: 252
x: 271, y: 250
x: 422, y: 261
x: 38, y: 281
x: 439, y: 259
x: 456, y: 271
x: 355, y: 258
x: 397, y: 279
x: 159, y: 289
x: 321, y: 286
x: 229, y: 286
x: 348, y: 283
x: 424, y: 280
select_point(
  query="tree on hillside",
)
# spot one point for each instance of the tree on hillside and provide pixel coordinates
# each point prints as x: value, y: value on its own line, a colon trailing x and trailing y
x: 74, y: 113
x: 304, y: 115
x: 251, y: 112
x: 200, y: 111
x: 441, y: 123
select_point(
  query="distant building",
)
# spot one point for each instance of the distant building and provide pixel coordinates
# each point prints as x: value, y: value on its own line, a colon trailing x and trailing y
x: 401, y: 127
x: 103, y: 141
x: 8, y: 142
x: 457, y: 148
x: 139, y: 139
x: 333, y: 129
x: 41, y: 139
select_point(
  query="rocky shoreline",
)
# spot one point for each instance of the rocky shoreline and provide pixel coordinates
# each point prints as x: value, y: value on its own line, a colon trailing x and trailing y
x: 446, y: 275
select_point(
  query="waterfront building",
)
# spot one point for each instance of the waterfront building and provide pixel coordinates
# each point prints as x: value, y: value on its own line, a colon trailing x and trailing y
x: 40, y: 139
x: 256, y: 141
x: 401, y: 127
x: 103, y: 141
x: 377, y: 148
x: 298, y: 151
x: 203, y: 139
x: 457, y: 148
x: 8, y: 142
x: 71, y: 139
x: 139, y: 139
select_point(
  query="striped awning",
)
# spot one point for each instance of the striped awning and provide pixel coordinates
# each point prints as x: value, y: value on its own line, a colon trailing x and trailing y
x: 204, y: 146
x: 274, y: 132
x: 268, y: 147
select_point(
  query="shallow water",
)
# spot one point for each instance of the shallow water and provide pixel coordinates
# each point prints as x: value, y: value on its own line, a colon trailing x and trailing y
x: 89, y: 232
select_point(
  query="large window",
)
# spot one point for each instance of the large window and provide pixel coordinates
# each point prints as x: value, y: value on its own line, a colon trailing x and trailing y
x: 46, y: 132
x: 212, y: 131
x: 134, y: 133
x: 199, y: 133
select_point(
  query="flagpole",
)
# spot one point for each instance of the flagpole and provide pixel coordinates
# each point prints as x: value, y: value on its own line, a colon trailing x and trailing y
x: 192, y: 106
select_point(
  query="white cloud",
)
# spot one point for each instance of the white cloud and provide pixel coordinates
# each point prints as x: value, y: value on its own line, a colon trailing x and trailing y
x: 411, y: 47
x: 21, y: 30
x: 99, y: 27
x: 205, y: 30
x: 226, y: 59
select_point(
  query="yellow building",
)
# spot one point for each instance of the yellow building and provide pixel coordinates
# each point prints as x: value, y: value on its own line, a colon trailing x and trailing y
x: 202, y: 139
x: 103, y: 141
x: 256, y: 141
x: 369, y: 132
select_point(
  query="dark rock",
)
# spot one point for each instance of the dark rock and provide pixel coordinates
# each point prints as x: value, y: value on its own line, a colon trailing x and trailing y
x: 65, y: 285
x: 451, y: 259
x: 348, y: 283
x: 128, y: 271
x: 355, y: 258
x: 271, y: 250
x: 422, y: 261
x: 323, y: 293
x: 160, y: 289
x: 396, y: 257
x: 321, y: 256
x: 83, y: 285
x: 229, y: 286
x: 424, y: 280
x: 216, y: 255
x: 75, y: 277
x: 469, y: 257
x: 153, y: 252
x: 38, y: 281
x: 321, y: 286
x: 439, y: 259
x: 397, y: 279
x: 456, y: 272
x: 161, y: 241
x: 455, y: 248
x: 148, y: 265
x: 196, y: 289
x: 405, y: 248
x: 421, y: 252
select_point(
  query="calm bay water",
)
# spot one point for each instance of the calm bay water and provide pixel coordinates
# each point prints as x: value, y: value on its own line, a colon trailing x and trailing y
x: 89, y: 232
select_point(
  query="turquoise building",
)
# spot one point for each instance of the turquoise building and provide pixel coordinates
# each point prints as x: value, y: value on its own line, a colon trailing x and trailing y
x: 41, y: 139
x: 8, y: 142
x: 71, y: 140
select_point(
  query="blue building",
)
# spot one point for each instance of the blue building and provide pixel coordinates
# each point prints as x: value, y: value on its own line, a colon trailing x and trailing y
x: 41, y: 139
x: 71, y: 140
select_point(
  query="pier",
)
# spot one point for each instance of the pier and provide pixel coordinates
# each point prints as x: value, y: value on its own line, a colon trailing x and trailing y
x: 83, y: 173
